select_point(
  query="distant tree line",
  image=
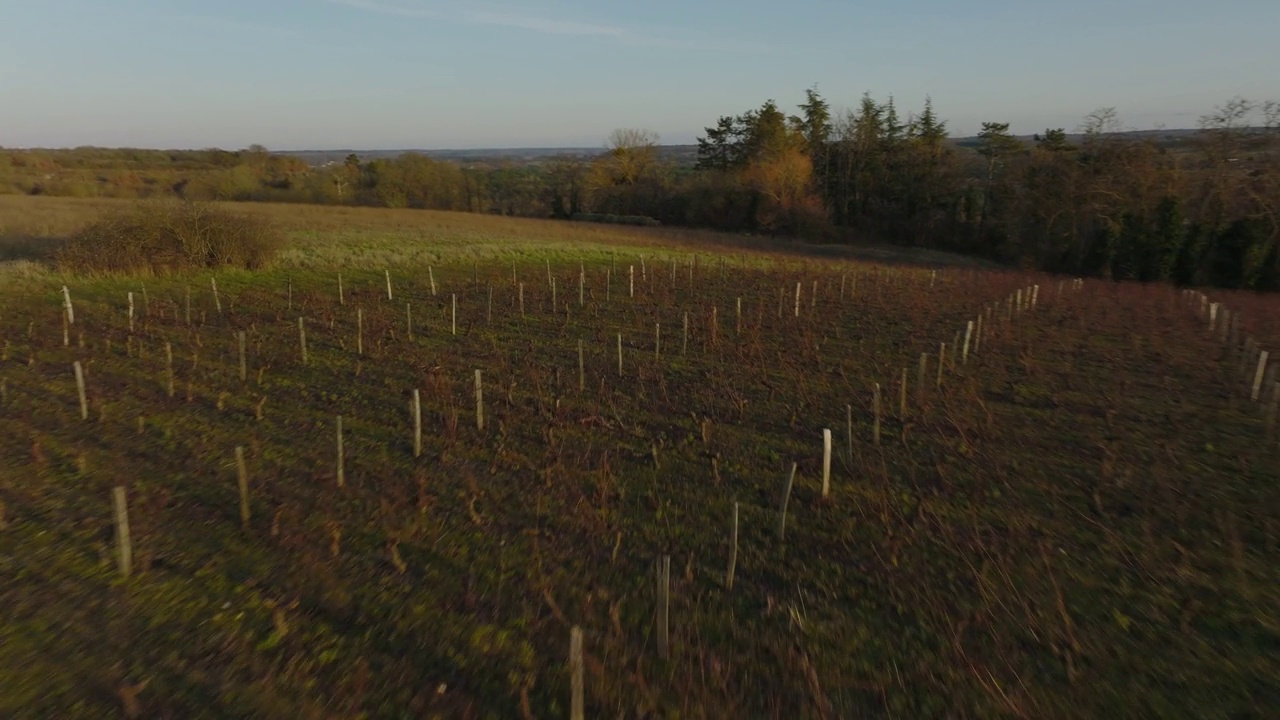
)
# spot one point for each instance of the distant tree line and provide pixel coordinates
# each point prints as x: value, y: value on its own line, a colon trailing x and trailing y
x: 1202, y: 209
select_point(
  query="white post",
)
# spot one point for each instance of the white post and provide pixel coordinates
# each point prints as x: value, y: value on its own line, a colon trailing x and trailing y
x: 342, y: 300
x: 631, y: 280
x: 216, y: 302
x: 388, y: 274
x: 797, y: 299
x: 431, y: 275
x: 130, y: 312
x: 968, y: 335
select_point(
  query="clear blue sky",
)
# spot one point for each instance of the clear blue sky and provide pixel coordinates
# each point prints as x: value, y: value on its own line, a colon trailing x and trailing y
x: 295, y: 74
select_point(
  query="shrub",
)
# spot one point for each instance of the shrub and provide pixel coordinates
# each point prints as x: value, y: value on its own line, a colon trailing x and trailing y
x: 170, y: 236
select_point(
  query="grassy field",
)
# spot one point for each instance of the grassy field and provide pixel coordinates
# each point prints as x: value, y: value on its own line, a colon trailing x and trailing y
x: 1077, y: 520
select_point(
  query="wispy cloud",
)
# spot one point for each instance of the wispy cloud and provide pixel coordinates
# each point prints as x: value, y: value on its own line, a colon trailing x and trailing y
x: 241, y: 26
x: 542, y: 25
x: 498, y: 18
x: 386, y: 9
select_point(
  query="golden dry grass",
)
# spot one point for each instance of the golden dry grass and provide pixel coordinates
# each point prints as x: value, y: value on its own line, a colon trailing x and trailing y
x: 31, y: 228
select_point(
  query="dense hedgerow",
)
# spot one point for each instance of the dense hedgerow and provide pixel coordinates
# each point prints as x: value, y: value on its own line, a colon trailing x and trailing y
x: 168, y: 237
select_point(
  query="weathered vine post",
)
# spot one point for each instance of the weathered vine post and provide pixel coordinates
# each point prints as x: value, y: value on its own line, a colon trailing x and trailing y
x: 875, y: 407
x: 968, y: 336
x: 1259, y: 373
x: 942, y: 362
x: 84, y: 399
x: 826, y: 463
x: 342, y: 469
x: 920, y: 378
x: 359, y: 331
x: 576, y: 700
x: 582, y: 368
x: 664, y: 605
x: 797, y: 299
x: 130, y: 312
x: 408, y: 321
x: 388, y: 274
x: 124, y: 544
x: 242, y: 474
x: 453, y: 317
x: 902, y: 396
x: 786, y: 500
x: 631, y: 280
x: 479, y: 402
x: 417, y: 423
x: 302, y: 340
x: 342, y: 300
x: 431, y: 277
x: 168, y: 369
x: 217, y: 303
x: 66, y: 303
x: 733, y: 550
x: 244, y: 363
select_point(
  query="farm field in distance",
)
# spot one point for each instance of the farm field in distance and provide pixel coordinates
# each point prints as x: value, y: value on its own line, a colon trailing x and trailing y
x: 1078, y: 519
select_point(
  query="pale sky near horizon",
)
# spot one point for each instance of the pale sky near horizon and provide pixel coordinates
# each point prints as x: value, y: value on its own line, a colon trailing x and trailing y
x: 383, y: 74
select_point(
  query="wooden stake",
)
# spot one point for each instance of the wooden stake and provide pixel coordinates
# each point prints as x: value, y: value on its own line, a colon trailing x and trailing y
x: 453, y: 321
x: 826, y: 463
x: 388, y: 274
x: 902, y: 396
x: 848, y: 419
x: 130, y: 312
x: 664, y: 602
x: 786, y: 500
x: 168, y: 367
x: 631, y: 280
x: 84, y: 400
x: 1258, y: 374
x: 968, y: 335
x: 920, y: 375
x: 244, y: 364
x: 576, y: 700
x: 582, y: 368
x: 359, y: 331
x: 342, y: 470
x: 66, y: 303
x: 342, y: 301
x: 124, y: 544
x: 942, y: 361
x: 479, y: 402
x: 733, y: 551
x: 302, y: 340
x: 619, y: 354
x: 217, y: 304
x: 408, y: 321
x: 431, y: 275
x: 797, y: 299
x: 582, y: 288
x: 417, y: 423
x: 875, y: 406
x: 242, y: 472
x: 657, y: 339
